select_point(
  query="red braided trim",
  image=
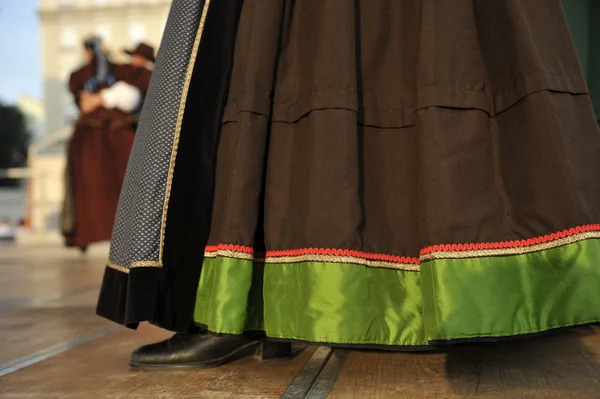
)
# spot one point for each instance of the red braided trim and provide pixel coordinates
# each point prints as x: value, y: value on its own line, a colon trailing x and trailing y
x: 426, y: 253
x: 512, y: 244
x: 314, y: 251
x: 230, y: 248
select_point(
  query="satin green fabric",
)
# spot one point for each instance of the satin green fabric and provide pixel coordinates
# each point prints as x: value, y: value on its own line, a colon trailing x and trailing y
x: 512, y: 295
x: 448, y: 299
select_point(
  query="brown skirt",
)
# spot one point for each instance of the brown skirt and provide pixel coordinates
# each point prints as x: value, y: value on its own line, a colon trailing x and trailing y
x: 389, y: 126
x: 390, y: 173
x: 97, y: 160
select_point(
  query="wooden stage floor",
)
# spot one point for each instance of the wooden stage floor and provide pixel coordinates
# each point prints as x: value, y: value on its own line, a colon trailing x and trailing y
x: 53, y: 346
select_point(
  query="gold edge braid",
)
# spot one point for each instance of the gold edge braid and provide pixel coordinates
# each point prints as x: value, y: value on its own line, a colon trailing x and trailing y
x: 186, y: 87
x: 146, y: 264
x: 511, y: 251
x: 407, y: 266
x: 380, y: 264
x: 229, y: 254
x: 315, y: 258
x: 117, y: 267
x: 134, y: 265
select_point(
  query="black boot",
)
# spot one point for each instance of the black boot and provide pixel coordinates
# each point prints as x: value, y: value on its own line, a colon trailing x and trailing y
x: 196, y: 351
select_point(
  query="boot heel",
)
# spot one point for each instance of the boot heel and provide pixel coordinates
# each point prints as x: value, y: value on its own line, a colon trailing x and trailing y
x: 273, y: 351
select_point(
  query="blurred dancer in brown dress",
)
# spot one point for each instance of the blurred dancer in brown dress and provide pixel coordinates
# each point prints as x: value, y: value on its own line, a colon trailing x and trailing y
x: 107, y: 95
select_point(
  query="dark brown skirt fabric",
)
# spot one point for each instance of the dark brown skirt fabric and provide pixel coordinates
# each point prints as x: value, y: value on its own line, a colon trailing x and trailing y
x: 97, y: 158
x: 390, y: 125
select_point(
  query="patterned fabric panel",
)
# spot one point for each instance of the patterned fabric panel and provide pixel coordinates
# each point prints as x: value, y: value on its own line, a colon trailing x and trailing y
x: 136, y: 236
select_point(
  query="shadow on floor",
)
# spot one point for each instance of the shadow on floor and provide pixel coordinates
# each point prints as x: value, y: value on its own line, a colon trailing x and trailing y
x: 562, y: 364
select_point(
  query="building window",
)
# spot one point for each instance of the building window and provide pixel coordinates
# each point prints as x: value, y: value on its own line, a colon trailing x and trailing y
x: 137, y: 33
x: 68, y: 38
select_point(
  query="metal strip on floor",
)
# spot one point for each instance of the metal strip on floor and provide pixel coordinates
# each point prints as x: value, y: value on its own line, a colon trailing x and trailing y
x: 54, y: 350
x: 328, y: 376
x: 318, y: 376
x: 305, y: 379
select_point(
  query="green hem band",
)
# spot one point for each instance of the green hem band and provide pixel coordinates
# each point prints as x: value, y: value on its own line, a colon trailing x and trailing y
x: 448, y: 299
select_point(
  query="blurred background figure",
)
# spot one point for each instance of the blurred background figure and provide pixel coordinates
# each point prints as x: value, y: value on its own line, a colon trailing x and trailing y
x: 142, y: 56
x: 7, y: 232
x: 108, y: 95
x: 37, y: 111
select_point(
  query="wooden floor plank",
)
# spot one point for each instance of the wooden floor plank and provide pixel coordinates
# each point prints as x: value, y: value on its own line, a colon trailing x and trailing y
x: 394, y: 375
x: 25, y: 331
x: 35, y: 286
x: 35, y: 276
x: 100, y: 369
x: 556, y: 366
x: 565, y: 365
x: 86, y: 297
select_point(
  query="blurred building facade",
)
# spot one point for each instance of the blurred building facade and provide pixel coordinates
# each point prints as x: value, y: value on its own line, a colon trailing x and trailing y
x: 66, y: 23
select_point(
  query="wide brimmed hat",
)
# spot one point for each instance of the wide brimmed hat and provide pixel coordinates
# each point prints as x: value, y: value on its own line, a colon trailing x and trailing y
x: 144, y: 50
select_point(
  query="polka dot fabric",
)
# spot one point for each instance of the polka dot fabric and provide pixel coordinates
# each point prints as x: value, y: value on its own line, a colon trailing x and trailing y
x: 136, y: 234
